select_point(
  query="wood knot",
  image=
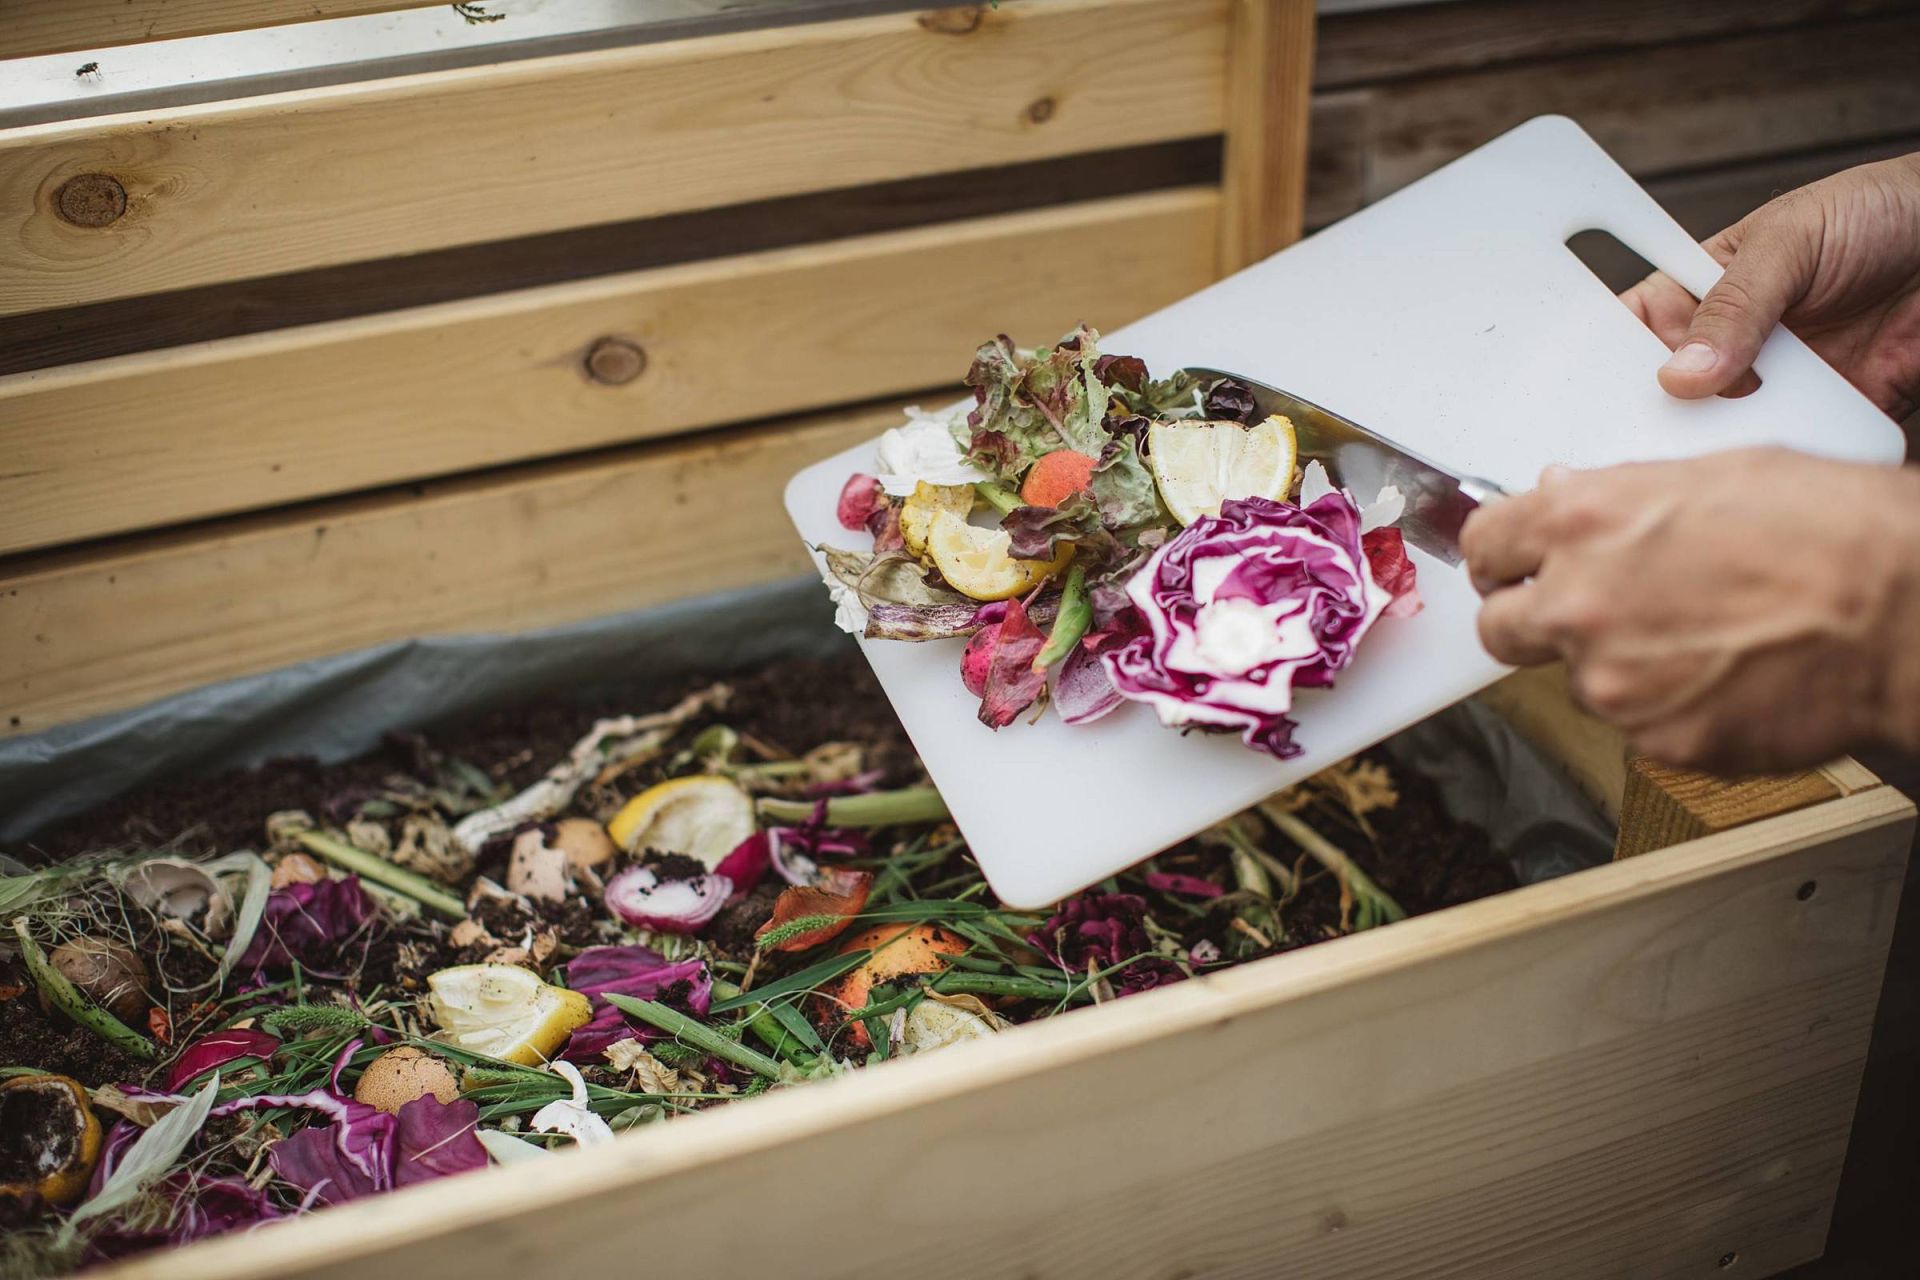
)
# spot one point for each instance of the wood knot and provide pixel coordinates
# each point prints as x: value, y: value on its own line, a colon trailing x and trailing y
x: 954, y: 20
x: 614, y: 362
x: 1041, y: 110
x: 90, y: 200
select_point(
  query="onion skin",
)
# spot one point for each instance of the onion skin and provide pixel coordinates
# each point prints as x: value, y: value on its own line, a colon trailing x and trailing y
x: 639, y: 897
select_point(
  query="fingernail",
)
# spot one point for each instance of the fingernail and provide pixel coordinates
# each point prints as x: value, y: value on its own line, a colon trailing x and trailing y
x: 1694, y: 357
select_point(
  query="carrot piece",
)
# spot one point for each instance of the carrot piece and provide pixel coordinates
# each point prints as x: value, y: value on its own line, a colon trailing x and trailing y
x: 1056, y: 477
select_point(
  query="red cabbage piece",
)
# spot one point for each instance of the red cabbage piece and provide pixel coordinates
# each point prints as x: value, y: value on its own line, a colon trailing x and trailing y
x: 369, y: 1151
x: 1244, y: 607
x: 310, y: 923
x: 747, y: 865
x: 1101, y: 930
x: 217, y: 1050
x: 641, y: 973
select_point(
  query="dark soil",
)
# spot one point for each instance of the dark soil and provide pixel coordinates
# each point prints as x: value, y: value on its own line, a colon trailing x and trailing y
x: 1414, y: 851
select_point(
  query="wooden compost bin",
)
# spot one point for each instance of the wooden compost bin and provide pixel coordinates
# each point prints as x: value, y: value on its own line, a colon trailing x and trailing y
x: 282, y: 395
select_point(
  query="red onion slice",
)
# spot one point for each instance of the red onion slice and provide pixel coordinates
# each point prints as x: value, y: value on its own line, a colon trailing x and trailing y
x: 640, y: 897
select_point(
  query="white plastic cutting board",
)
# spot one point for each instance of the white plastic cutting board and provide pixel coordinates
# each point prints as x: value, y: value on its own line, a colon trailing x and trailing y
x: 1450, y: 317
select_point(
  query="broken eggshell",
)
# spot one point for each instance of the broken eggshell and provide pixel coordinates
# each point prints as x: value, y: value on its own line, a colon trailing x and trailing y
x: 402, y: 1074
x: 181, y: 890
x: 538, y: 871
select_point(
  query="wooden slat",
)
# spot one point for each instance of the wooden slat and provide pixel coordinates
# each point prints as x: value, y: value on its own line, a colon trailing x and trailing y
x: 172, y: 435
x: 1636, y: 1071
x: 91, y: 630
x: 349, y: 172
x: 1665, y: 806
x: 1659, y: 111
x: 30, y: 27
x: 1269, y: 70
x: 40, y: 339
x: 1395, y: 41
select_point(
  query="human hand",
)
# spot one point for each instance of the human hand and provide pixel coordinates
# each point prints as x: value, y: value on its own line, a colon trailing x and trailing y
x: 1838, y: 261
x: 1748, y: 611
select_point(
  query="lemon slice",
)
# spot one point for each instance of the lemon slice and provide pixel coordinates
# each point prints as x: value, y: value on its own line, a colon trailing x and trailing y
x: 1199, y: 465
x: 976, y: 562
x: 923, y: 504
x: 704, y: 817
x: 504, y: 1011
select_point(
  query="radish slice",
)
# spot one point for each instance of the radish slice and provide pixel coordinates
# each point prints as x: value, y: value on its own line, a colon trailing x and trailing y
x: 640, y: 897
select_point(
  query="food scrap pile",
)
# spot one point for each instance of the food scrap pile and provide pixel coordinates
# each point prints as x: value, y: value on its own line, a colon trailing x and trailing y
x: 1147, y: 540
x: 225, y: 1003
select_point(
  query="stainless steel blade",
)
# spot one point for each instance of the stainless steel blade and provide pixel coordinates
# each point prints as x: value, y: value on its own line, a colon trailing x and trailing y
x: 1359, y: 460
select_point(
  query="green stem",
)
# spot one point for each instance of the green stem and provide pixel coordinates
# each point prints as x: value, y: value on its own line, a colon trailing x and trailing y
x: 875, y: 809
x: 699, y: 1035
x: 360, y: 862
x: 1071, y: 623
x: 761, y: 1020
x: 986, y: 984
x: 65, y: 997
x: 1002, y: 500
x: 1374, y: 900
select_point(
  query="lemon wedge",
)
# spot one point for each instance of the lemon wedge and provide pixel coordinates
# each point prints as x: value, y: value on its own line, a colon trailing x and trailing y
x: 923, y: 504
x: 976, y: 562
x: 504, y: 1011
x: 1199, y: 465
x: 702, y: 816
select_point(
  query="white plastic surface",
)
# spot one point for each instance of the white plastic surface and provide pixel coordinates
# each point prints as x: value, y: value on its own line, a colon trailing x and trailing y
x: 1450, y: 317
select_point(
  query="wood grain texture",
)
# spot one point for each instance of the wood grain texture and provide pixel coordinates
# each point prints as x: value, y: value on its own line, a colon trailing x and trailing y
x: 185, y: 433
x: 1664, y: 805
x: 96, y: 629
x: 103, y: 329
x: 350, y: 172
x: 1638, y: 1070
x: 29, y: 27
x: 1397, y: 41
x: 1269, y: 82
x: 1664, y: 110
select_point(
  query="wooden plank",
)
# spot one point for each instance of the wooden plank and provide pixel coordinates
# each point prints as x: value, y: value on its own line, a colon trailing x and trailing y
x: 31, y: 27
x: 1395, y: 41
x: 41, y: 339
x: 1640, y: 1070
x: 180, y: 434
x: 1664, y: 805
x: 190, y: 195
x: 1263, y: 187
x: 1659, y: 111
x: 95, y: 629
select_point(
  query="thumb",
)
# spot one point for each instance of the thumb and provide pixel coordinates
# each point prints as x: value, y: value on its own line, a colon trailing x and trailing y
x: 1770, y: 272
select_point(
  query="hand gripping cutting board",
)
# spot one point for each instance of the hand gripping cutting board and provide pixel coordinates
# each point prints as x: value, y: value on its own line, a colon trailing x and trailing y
x: 1451, y: 318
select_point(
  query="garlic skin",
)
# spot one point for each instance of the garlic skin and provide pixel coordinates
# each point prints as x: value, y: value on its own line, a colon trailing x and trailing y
x: 923, y: 449
x: 571, y: 1116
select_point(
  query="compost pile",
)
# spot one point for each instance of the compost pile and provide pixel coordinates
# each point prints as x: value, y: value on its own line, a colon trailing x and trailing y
x: 231, y: 1001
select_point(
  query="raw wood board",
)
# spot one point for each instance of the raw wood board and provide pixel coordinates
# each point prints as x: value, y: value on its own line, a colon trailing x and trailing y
x: 1451, y: 317
x: 212, y: 428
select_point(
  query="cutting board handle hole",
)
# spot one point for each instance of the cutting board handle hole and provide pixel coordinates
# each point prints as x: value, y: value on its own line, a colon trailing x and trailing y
x: 1619, y: 268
